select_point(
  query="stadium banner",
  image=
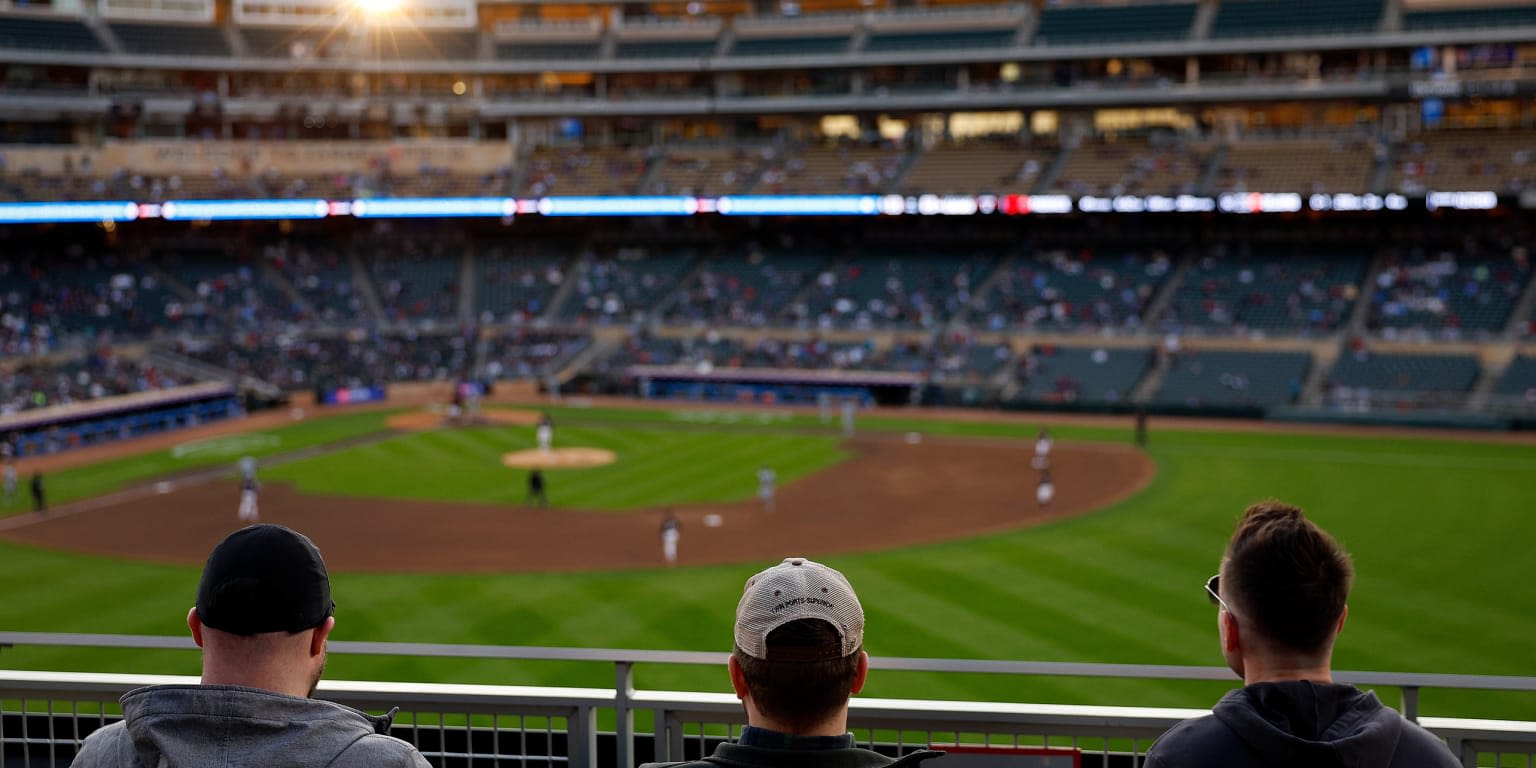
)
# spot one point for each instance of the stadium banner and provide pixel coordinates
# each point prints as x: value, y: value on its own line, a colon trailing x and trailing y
x: 349, y: 395
x: 287, y: 158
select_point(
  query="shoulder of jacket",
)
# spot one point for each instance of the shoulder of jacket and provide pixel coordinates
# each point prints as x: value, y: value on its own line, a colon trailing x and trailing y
x: 1417, y: 746
x: 103, y: 746
x: 376, y: 750
x: 1189, y: 739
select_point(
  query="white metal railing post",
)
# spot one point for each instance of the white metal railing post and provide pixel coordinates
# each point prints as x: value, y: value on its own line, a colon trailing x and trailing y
x: 624, y: 723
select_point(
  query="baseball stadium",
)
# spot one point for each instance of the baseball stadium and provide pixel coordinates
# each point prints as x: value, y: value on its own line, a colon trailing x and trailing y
x: 551, y: 323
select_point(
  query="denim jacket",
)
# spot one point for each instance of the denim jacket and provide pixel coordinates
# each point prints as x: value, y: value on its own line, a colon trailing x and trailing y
x: 166, y: 726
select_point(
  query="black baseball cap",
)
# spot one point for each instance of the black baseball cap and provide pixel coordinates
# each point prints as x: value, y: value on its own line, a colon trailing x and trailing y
x: 264, y: 578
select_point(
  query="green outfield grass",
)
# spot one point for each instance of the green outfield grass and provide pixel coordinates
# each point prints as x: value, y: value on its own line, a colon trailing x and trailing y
x: 1439, y: 529
x: 108, y: 476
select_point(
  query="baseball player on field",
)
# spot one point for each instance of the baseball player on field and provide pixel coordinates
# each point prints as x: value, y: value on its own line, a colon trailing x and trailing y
x: 248, y: 489
x: 10, y: 480
x: 671, y: 532
x: 1043, y: 445
x: 1046, y: 490
x: 766, y: 478
x: 545, y: 432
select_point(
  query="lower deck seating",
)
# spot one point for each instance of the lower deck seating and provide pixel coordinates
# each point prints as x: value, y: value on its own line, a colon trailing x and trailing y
x: 1222, y: 377
x: 1081, y: 374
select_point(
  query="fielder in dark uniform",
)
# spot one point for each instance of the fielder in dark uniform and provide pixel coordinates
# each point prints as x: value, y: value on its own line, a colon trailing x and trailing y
x: 39, y: 501
x: 536, y: 488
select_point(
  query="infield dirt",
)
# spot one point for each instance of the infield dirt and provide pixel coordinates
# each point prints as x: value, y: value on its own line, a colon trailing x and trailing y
x: 890, y: 494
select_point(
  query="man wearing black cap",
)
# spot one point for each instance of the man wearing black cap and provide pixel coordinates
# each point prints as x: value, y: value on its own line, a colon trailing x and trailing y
x: 799, y: 655
x: 262, y: 617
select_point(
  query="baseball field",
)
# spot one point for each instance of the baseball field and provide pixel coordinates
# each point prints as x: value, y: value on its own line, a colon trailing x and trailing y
x: 933, y: 519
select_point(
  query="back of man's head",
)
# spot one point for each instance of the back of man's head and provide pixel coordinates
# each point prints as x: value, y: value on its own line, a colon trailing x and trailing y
x: 264, y: 578
x: 799, y: 641
x: 1286, y: 577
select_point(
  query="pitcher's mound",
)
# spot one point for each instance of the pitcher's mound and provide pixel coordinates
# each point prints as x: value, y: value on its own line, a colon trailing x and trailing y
x: 558, y: 458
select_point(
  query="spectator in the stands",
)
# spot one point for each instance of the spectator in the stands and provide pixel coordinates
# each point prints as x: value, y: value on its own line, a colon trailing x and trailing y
x: 798, y: 657
x: 1281, y: 604
x: 262, y: 618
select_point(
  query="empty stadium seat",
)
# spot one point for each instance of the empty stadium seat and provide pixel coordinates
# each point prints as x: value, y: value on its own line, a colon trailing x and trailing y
x: 1090, y: 24
x: 171, y: 39
x: 1274, y: 18
x: 674, y: 49
x: 31, y: 33
x: 1081, y: 374
x: 1404, y: 380
x: 520, y: 51
x: 791, y: 46
x: 1233, y: 377
x: 1470, y: 18
x: 902, y: 42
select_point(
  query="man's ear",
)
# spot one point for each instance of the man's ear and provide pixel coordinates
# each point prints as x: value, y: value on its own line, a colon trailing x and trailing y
x: 317, y: 640
x: 738, y: 678
x: 196, y: 625
x: 1342, y: 616
x: 1231, y: 636
x: 861, y: 674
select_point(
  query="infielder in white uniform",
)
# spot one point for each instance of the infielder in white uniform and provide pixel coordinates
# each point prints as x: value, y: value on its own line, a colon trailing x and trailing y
x: 671, y: 532
x: 545, y: 433
x: 1043, y: 445
x: 765, y: 481
x: 1045, y: 491
x: 248, y: 510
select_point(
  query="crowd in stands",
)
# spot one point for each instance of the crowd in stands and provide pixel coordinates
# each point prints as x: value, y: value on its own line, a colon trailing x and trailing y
x: 1162, y: 164
x: 1267, y: 291
x: 1059, y: 290
x: 31, y: 384
x: 304, y: 361
x: 526, y: 354
x: 1451, y: 293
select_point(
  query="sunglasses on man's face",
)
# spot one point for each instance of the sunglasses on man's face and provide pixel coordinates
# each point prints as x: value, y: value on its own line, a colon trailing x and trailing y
x: 1213, y: 591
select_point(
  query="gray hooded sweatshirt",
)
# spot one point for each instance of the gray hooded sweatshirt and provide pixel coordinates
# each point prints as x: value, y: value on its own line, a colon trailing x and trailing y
x: 168, y: 726
x: 1299, y: 724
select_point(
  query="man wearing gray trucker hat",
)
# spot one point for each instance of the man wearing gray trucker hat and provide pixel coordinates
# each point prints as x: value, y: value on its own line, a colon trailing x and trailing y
x: 262, y: 618
x: 799, y: 655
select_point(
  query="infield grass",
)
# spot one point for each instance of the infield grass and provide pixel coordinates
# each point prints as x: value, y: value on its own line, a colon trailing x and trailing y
x: 652, y: 467
x: 1440, y: 532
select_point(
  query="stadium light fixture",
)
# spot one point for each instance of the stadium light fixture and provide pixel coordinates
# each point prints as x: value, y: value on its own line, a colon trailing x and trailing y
x: 377, y: 9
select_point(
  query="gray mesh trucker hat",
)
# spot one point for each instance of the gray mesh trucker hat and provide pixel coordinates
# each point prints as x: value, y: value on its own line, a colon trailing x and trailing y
x: 797, y: 589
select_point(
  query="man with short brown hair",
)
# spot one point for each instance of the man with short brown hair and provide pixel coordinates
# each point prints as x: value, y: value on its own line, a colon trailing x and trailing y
x: 1281, y: 594
x: 798, y: 657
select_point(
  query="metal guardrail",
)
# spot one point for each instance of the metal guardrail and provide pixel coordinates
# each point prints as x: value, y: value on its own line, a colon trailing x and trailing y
x: 465, y: 722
